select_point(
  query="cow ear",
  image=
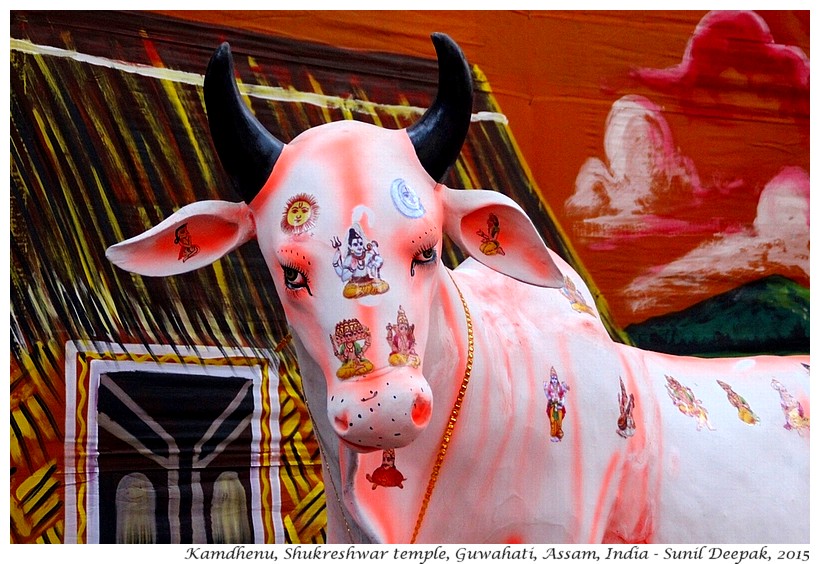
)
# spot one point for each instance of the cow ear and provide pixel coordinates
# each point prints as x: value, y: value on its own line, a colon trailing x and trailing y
x: 194, y: 236
x: 494, y: 230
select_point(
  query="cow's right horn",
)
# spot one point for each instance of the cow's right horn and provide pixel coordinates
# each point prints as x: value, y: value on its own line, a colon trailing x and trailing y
x: 440, y: 133
x: 246, y: 149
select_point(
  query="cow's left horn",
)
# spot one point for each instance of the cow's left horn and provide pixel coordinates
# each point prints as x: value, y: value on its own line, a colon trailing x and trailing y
x: 440, y: 133
x: 246, y: 149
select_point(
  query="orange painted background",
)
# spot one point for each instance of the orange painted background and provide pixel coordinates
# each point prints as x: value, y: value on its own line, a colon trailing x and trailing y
x: 733, y: 125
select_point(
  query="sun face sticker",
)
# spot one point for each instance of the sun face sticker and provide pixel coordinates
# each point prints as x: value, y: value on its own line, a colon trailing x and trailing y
x: 626, y: 404
x: 349, y: 341
x: 182, y: 237
x: 744, y: 411
x: 489, y: 241
x: 576, y: 298
x: 300, y: 214
x: 556, y: 407
x: 405, y: 199
x: 360, y: 267
x: 386, y: 475
x: 792, y: 410
x: 687, y: 403
x: 402, y: 342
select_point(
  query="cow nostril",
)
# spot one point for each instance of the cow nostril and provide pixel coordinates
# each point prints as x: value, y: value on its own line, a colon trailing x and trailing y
x: 422, y: 410
x: 341, y: 423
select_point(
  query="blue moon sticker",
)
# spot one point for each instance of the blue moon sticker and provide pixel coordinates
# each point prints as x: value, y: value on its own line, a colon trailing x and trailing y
x: 405, y: 199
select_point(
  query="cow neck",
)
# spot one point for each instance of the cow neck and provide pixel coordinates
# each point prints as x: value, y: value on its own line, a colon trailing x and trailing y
x: 453, y: 419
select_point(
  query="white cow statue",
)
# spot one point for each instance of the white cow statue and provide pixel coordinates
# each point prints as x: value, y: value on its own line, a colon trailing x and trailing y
x: 486, y: 404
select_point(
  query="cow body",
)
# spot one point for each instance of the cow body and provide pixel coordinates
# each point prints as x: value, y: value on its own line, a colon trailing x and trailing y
x: 557, y: 434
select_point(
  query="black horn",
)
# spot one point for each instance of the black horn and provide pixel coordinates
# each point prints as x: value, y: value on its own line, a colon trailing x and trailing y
x: 440, y: 133
x: 246, y: 149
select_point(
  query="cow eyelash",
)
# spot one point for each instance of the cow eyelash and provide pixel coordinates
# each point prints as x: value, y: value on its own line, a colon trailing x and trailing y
x: 425, y: 256
x: 295, y: 279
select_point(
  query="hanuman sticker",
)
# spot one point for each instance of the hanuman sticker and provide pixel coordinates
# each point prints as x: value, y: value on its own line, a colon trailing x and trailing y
x: 687, y: 403
x: 792, y: 409
x: 350, y: 341
x: 489, y: 241
x: 386, y: 475
x: 402, y: 342
x: 744, y: 411
x: 360, y: 266
x: 626, y: 423
x: 556, y: 408
x: 300, y: 214
x: 182, y: 237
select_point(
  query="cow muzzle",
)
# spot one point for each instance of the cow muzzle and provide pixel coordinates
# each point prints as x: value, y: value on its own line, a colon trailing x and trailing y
x: 381, y: 411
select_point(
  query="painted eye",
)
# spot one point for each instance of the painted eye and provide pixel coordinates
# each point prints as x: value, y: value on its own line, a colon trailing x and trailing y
x: 295, y: 279
x: 424, y: 257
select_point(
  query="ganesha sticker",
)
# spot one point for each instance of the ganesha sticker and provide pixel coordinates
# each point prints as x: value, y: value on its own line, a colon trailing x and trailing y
x: 744, y: 411
x: 792, y: 409
x: 402, y: 342
x: 360, y: 267
x: 556, y: 409
x: 405, y: 199
x: 350, y: 340
x: 386, y: 475
x: 687, y: 403
x: 300, y: 214
x: 576, y: 298
x: 626, y: 404
x: 182, y: 237
x: 489, y: 241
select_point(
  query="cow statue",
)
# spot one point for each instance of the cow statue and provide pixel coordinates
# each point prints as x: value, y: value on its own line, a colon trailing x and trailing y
x: 485, y: 404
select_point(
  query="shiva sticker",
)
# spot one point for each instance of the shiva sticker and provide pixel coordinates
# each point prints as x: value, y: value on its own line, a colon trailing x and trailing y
x: 183, y: 238
x: 405, y: 199
x: 556, y: 409
x: 360, y: 267
x: 350, y: 341
x: 744, y: 411
x: 792, y: 409
x: 626, y: 423
x: 300, y: 214
x: 576, y: 299
x: 386, y: 475
x: 402, y: 342
x: 687, y: 403
x: 489, y: 241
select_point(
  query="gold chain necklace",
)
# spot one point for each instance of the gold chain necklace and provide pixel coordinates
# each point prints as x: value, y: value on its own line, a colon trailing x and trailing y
x: 451, y: 424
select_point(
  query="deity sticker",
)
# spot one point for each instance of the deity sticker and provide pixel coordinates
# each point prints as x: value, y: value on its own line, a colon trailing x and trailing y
x: 489, y: 241
x: 626, y: 423
x: 361, y: 265
x: 300, y: 214
x: 576, y: 298
x: 744, y: 411
x: 687, y: 403
x: 386, y: 475
x: 405, y: 199
x: 792, y: 409
x: 350, y: 341
x: 402, y: 342
x: 182, y: 237
x: 556, y: 409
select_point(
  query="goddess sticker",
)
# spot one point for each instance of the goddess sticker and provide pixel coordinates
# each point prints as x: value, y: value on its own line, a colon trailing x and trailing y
x: 576, y: 298
x: 300, y: 214
x: 386, y: 475
x: 350, y: 341
x: 626, y: 423
x: 489, y: 241
x: 183, y: 238
x: 792, y: 409
x: 360, y: 268
x: 402, y: 342
x: 405, y: 199
x: 687, y: 403
x: 556, y: 409
x: 744, y: 411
